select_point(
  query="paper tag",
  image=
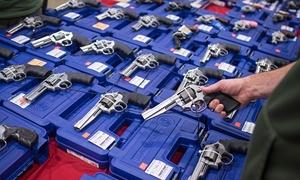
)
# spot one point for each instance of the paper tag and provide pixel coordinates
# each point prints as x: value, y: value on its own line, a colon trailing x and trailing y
x: 196, y: 4
x: 248, y: 127
x: 101, y: 26
x: 204, y: 27
x: 93, y: 163
x: 243, y: 37
x: 298, y: 14
x: 102, y: 140
x: 159, y: 169
x: 20, y: 101
x: 286, y: 28
x: 182, y: 52
x: 72, y: 15
x: 123, y: 4
x: 173, y: 17
x: 21, y: 39
x: 139, y: 81
x: 97, y: 66
x: 226, y: 67
x: 56, y: 53
x: 142, y: 38
x: 37, y: 62
x: 185, y: 30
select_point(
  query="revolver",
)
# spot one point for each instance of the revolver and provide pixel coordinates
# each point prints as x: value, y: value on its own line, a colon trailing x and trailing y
x: 59, y: 81
x: 242, y: 25
x: 145, y: 61
x: 281, y: 36
x: 117, y: 13
x: 218, y: 49
x: 266, y: 64
x: 6, y: 53
x: 112, y: 102
x: 33, y: 23
x: 107, y: 47
x: 294, y: 5
x: 191, y: 98
x: 181, y: 34
x: 216, y: 22
x: 20, y: 72
x: 178, y: 6
x: 74, y: 4
x: 150, y: 1
x: 281, y: 16
x: 148, y: 21
x: 216, y: 155
x: 24, y: 136
x: 62, y: 38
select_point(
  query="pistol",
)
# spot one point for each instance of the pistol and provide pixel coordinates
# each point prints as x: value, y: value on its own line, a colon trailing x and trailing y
x: 242, y: 25
x: 148, y: 21
x: 107, y: 47
x: 183, y: 33
x: 24, y: 136
x: 34, y: 23
x: 112, y: 102
x: 59, y: 81
x: 118, y: 13
x: 178, y: 6
x: 62, y: 38
x: 150, y: 60
x: 191, y: 98
x: 75, y: 4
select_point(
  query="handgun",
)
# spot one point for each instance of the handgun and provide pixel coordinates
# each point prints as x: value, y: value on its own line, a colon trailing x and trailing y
x: 217, y: 154
x: 153, y: 21
x: 112, y: 102
x: 20, y: 72
x: 242, y: 25
x: 117, y: 13
x: 149, y: 60
x: 24, y: 136
x: 150, y: 1
x: 74, y: 4
x: 281, y: 16
x: 62, y: 38
x: 281, y: 36
x: 33, y: 23
x: 107, y: 47
x: 266, y: 64
x: 6, y: 53
x: 183, y: 33
x: 191, y: 98
x: 215, y: 21
x: 249, y: 9
x: 59, y: 81
x: 178, y: 6
x: 294, y: 5
x: 219, y: 49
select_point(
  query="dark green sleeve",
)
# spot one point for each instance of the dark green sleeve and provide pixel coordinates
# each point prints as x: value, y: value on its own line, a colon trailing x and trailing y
x: 274, y: 152
x: 18, y: 8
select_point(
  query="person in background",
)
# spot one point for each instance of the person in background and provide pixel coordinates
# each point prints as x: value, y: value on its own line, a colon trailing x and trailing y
x: 275, y: 144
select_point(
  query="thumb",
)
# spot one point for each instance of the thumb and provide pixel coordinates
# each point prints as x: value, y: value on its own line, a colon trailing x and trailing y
x: 212, y: 88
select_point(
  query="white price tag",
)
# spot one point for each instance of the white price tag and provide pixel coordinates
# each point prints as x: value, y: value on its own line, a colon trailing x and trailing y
x: 173, y: 17
x: 159, y: 169
x: 185, y: 30
x: 57, y: 53
x: 226, y: 67
x: 204, y: 27
x: 72, y: 15
x: 21, y: 39
x: 97, y: 66
x: 243, y: 37
x: 102, y: 140
x: 139, y: 81
x: 142, y: 38
x: 182, y: 52
x: 20, y: 101
x: 93, y: 163
x: 123, y: 4
x: 248, y: 127
x: 286, y: 28
x: 196, y: 4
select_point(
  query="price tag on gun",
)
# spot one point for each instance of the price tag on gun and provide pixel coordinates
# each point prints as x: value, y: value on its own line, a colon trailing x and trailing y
x: 191, y: 98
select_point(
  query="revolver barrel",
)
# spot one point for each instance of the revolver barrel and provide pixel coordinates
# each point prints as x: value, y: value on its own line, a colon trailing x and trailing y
x: 87, y: 48
x: 129, y: 69
x: 35, y: 93
x: 88, y: 118
x: 41, y: 42
x: 16, y: 28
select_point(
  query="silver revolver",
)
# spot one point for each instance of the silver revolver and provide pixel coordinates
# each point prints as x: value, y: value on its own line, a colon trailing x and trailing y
x: 148, y: 21
x: 72, y: 4
x: 242, y: 25
x: 111, y: 102
x: 193, y: 76
x: 117, y: 13
x: 208, y: 19
x: 191, y: 98
x: 29, y: 22
x: 145, y: 61
x: 278, y: 37
x: 62, y: 38
x: 59, y: 81
x: 265, y: 65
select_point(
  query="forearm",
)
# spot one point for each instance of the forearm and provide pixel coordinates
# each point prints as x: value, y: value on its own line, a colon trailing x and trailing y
x: 262, y: 85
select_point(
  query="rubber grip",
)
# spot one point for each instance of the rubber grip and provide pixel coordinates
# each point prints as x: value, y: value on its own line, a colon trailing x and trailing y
x: 124, y: 48
x: 232, y: 47
x: 164, y: 20
x: 24, y: 136
x: 37, y: 71
x: 186, y: 5
x: 6, y: 53
x: 51, y: 20
x: 280, y: 62
x: 81, y: 40
x: 92, y: 3
x: 136, y: 98
x: 131, y: 13
x: 80, y: 78
x: 235, y: 145
x: 212, y: 73
x: 222, y: 20
x: 165, y: 58
x: 229, y: 103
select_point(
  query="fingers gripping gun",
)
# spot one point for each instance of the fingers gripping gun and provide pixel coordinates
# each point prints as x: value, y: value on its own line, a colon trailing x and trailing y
x: 148, y: 21
x: 24, y: 136
x: 112, y: 102
x: 183, y: 33
x: 117, y: 13
x: 74, y: 4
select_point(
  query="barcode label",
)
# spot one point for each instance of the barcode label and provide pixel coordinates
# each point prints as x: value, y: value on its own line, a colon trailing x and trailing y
x: 20, y: 101
x: 173, y: 17
x: 21, y: 39
x: 243, y: 37
x: 159, y: 169
x: 286, y: 28
x: 57, y: 53
x: 204, y: 27
x: 226, y: 67
x: 123, y: 4
x: 248, y: 127
x: 97, y: 66
x: 37, y: 62
x: 182, y: 52
x: 102, y: 140
x: 142, y: 38
x: 139, y: 81
x: 101, y: 26
x: 72, y: 15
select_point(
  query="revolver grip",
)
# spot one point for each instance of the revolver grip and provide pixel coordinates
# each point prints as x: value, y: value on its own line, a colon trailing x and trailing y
x: 131, y: 13
x: 235, y: 145
x: 51, y: 20
x: 214, y: 73
x: 222, y: 20
x: 37, y: 71
x: 165, y: 58
x: 232, y: 47
x: 136, y: 98
x: 280, y: 62
x: 92, y: 3
x: 81, y: 40
x: 25, y: 136
x: 229, y: 103
x: 123, y: 48
x: 80, y: 78
x: 6, y: 53
x: 177, y: 42
x: 164, y: 20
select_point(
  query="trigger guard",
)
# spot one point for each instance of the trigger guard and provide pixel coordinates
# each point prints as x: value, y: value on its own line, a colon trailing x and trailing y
x: 4, y: 144
x: 122, y: 106
x: 198, y: 106
x: 66, y: 43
